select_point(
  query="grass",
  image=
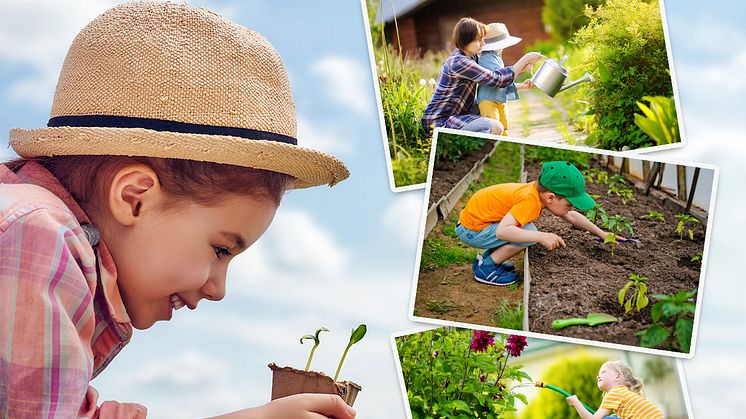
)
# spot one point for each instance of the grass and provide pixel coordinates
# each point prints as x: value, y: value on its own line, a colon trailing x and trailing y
x: 441, y: 307
x: 509, y: 315
x: 440, y: 252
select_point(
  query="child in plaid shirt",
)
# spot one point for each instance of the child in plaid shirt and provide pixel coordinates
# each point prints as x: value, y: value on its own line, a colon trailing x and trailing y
x: 160, y: 164
x: 453, y: 97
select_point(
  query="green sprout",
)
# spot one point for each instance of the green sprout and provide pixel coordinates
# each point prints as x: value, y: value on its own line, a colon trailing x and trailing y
x: 618, y: 224
x: 596, y: 212
x: 654, y: 216
x: 315, y: 338
x: 683, y: 225
x: 697, y: 257
x: 626, y: 194
x: 616, y: 180
x: 639, y: 295
x: 357, y: 335
x: 611, y: 238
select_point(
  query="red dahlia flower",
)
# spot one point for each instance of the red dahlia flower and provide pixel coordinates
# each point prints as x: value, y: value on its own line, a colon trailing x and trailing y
x: 515, y: 345
x: 481, y: 341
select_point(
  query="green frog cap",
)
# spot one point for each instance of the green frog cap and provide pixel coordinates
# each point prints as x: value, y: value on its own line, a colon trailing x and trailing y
x: 564, y: 179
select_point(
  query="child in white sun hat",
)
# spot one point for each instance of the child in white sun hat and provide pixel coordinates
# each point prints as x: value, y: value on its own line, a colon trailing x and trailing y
x: 491, y: 100
x: 170, y: 144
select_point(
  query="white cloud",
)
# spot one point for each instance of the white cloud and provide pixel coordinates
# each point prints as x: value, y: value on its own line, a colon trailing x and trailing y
x: 401, y: 219
x: 41, y: 48
x: 180, y: 371
x: 346, y: 82
x: 323, y: 138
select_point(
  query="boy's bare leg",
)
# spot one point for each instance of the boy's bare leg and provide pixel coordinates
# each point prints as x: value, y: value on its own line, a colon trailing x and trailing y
x: 505, y: 252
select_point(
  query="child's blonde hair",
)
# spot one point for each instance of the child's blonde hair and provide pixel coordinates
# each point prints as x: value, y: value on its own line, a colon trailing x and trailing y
x: 629, y: 380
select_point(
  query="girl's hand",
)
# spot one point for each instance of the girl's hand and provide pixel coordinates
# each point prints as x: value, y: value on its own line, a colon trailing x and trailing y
x: 298, y: 406
x: 573, y: 400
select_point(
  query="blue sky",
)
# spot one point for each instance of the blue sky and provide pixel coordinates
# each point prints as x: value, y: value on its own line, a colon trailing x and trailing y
x: 342, y: 256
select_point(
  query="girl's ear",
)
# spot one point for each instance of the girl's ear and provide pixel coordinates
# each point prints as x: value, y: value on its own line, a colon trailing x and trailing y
x: 134, y: 189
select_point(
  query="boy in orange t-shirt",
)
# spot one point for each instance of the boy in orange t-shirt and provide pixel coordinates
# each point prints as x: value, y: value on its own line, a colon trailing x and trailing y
x: 500, y: 218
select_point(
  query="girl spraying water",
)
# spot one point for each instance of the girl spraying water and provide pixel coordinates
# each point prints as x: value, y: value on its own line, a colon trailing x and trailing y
x: 624, y: 395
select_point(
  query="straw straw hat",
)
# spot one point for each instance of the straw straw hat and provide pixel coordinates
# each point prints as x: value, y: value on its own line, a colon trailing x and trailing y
x: 173, y: 81
x: 498, y: 37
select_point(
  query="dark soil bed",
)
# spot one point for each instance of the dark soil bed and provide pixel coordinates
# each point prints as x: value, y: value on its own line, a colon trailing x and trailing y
x: 447, y: 174
x: 584, y: 278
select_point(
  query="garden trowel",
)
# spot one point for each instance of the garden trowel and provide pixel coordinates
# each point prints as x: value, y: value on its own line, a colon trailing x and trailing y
x: 593, y: 319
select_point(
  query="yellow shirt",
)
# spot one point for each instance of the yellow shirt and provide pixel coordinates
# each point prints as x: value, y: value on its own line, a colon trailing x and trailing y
x: 630, y: 405
x: 489, y: 205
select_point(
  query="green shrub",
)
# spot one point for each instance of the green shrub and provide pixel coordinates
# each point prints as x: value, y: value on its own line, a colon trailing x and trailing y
x: 659, y: 120
x: 453, y: 147
x: 563, y: 17
x: 575, y: 375
x: 625, y: 50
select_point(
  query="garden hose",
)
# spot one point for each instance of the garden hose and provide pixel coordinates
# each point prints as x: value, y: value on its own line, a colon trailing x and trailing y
x: 562, y: 392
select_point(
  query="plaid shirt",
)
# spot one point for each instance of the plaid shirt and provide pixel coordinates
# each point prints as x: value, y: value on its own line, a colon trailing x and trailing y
x: 454, y: 93
x: 62, y: 319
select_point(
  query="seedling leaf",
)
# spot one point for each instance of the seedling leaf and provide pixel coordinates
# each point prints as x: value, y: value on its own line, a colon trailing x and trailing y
x: 654, y: 336
x: 683, y: 332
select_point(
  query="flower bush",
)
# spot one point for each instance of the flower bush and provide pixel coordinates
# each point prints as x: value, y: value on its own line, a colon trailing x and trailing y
x: 625, y: 50
x: 452, y: 372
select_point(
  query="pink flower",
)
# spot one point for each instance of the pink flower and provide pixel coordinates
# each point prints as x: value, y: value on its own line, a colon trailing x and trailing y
x: 515, y: 345
x: 481, y: 341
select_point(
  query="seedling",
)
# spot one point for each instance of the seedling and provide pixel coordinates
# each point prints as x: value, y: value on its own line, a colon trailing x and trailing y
x: 355, y: 337
x: 697, y: 257
x: 316, y: 341
x: 611, y: 238
x: 594, y: 175
x: 597, y: 212
x: 616, y: 180
x: 654, y: 216
x: 673, y: 316
x: 618, y: 224
x: 626, y: 194
x: 638, y: 291
x: 686, y: 223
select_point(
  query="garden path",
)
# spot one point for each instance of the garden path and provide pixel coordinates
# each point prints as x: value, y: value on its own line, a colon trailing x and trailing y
x: 540, y: 117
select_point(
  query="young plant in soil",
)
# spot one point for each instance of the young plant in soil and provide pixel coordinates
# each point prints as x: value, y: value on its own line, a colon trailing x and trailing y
x: 673, y: 320
x: 616, y: 180
x: 617, y: 224
x: 653, y: 216
x: 316, y: 341
x: 686, y: 222
x: 626, y: 194
x: 697, y: 257
x: 634, y: 293
x: 597, y: 212
x: 287, y: 381
x: 594, y: 175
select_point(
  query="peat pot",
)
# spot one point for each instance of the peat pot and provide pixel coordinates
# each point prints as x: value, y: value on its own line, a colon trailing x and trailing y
x: 287, y: 381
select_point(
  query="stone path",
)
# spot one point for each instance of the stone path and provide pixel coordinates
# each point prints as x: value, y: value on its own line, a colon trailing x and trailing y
x: 536, y: 116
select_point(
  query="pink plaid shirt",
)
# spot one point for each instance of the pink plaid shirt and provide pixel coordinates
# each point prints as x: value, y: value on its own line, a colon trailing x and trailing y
x: 62, y: 319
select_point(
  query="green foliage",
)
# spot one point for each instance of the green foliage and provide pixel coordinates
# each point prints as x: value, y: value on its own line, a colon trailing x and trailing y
x: 638, y: 293
x: 403, y: 98
x: 576, y: 375
x: 598, y: 212
x: 539, y: 154
x: 611, y: 238
x: 625, y: 51
x: 438, y: 253
x: 410, y: 167
x: 618, y: 224
x: 442, y: 375
x: 697, y: 257
x: 509, y: 315
x: 686, y: 222
x: 659, y: 120
x: 563, y: 17
x: 616, y: 181
x: 626, y: 194
x: 653, y: 215
x: 453, y: 147
x: 673, y: 321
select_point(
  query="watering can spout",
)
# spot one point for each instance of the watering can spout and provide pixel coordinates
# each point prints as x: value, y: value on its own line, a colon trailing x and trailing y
x: 586, y: 77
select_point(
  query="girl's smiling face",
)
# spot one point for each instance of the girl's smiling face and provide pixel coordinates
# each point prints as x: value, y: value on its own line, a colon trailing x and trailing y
x: 168, y: 256
x: 607, y: 378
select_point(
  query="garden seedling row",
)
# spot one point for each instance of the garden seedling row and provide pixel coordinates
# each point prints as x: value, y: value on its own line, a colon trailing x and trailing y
x: 585, y: 278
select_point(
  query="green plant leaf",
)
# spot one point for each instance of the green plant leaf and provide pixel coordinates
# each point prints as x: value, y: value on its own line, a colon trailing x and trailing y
x: 603, y: 72
x: 657, y: 312
x: 654, y: 336
x: 683, y: 332
x: 623, y: 292
x: 642, y: 301
x: 358, y: 334
x: 460, y: 405
x: 628, y: 306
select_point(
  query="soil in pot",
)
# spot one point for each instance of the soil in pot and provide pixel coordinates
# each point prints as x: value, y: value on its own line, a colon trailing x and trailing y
x: 287, y: 381
x: 584, y: 278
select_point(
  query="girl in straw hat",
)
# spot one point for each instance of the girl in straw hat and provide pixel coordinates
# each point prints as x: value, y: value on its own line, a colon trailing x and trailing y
x: 453, y: 97
x: 491, y: 100
x: 170, y: 144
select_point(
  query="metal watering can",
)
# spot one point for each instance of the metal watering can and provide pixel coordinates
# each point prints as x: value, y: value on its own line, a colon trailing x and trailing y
x: 551, y: 76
